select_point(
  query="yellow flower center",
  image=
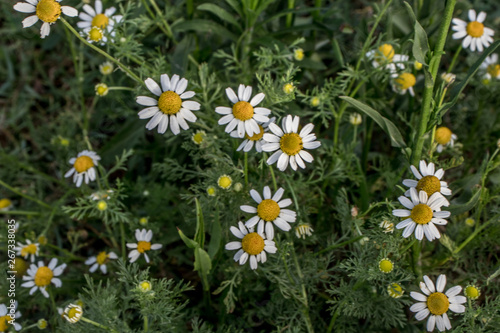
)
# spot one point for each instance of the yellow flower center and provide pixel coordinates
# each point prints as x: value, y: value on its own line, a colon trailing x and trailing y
x: 406, y: 81
x: 252, y: 243
x: 268, y: 210
x: 73, y: 312
x: 4, y: 203
x: 471, y: 292
x: 288, y: 88
x: 385, y: 265
x: 95, y: 34
x: 298, y: 54
x: 48, y: 10
x: 211, y: 191
x: 225, y: 182
x: 493, y: 70
x: 83, y: 163
x: 315, y: 101
x: 102, y: 205
x: 438, y: 303
x: 143, y: 246
x: 291, y: 143
x: 385, y: 53
x: 28, y: 249
x: 429, y: 184
x: 43, y: 276
x: 102, y: 258
x: 4, y: 323
x: 421, y: 214
x: 475, y: 29
x: 243, y: 111
x: 443, y: 135
x: 395, y: 290
x: 198, y: 137
x: 145, y: 285
x: 100, y: 21
x: 169, y: 102
x: 256, y: 136
x: 20, y: 266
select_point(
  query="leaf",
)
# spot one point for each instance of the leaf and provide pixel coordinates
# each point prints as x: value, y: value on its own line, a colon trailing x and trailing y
x: 203, y: 265
x: 189, y: 242
x: 200, y: 225
x: 387, y: 125
x: 219, y: 12
x: 420, y: 42
x: 460, y: 209
x: 215, y: 238
x: 204, y: 26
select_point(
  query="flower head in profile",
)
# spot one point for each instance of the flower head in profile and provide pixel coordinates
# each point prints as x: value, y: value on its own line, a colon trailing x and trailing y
x: 199, y: 137
x: 289, y: 144
x: 171, y: 106
x: 422, y: 214
x: 298, y: 54
x: 97, y: 17
x: 387, y: 226
x: 433, y: 303
x: 100, y: 261
x: 303, y: 230
x: 270, y: 210
x: 444, y: 137
x: 385, y: 56
x: 83, y: 167
x: 6, y: 316
x: 28, y: 250
x: 428, y: 180
x: 106, y: 68
x: 395, y: 290
x: 491, y: 67
x: 404, y: 82
x: 254, y: 140
x: 253, y: 245
x: 5, y: 204
x: 477, y: 36
x: 73, y: 313
x: 244, y: 115
x: 142, y: 246
x: 47, y: 11
x: 41, y: 276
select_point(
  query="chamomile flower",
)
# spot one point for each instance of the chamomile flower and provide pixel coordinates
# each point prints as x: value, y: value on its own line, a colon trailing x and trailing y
x: 211, y: 191
x: 491, y: 67
x: 303, y: 230
x: 403, y: 83
x: 472, y: 292
x: 101, y: 89
x: 315, y: 101
x: 225, y: 182
x: 298, y: 54
x: 288, y: 88
x: 355, y: 119
x: 422, y: 214
x: 95, y: 17
x: 199, y: 137
x: 100, y: 261
x: 83, y: 167
x: 142, y: 246
x: 449, y: 78
x: 101, y: 195
x: 172, y: 104
x: 73, y: 313
x: 385, y: 56
x: 106, y: 68
x: 387, y: 226
x: 270, y: 210
x: 244, y: 116
x: 435, y: 304
x: 429, y: 181
x: 41, y: 276
x: 28, y: 250
x: 395, y: 290
x: 5, y: 204
x: 385, y: 265
x: 253, y: 245
x: 256, y: 139
x: 48, y: 11
x: 5, y: 318
x: 95, y: 35
x: 289, y: 145
x: 444, y: 137
x: 477, y: 36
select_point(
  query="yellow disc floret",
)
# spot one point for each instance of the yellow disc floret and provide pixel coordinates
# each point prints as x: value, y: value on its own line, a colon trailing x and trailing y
x: 169, y: 102
x: 20, y: 266
x: 406, y: 81
x: 102, y: 258
x: 385, y: 53
x: 143, y: 246
x: 385, y: 265
x: 395, y: 290
x: 438, y: 303
x: 95, y: 34
x: 29, y: 249
x: 256, y: 136
x: 291, y: 143
x: 5, y: 203
x: 493, y: 70
x: 268, y: 210
x: 43, y: 276
x: 429, y: 184
x: 145, y: 286
x: 4, y: 323
x: 100, y: 21
x: 472, y: 292
x: 48, y: 10
x: 421, y: 214
x: 475, y: 29
x: 83, y: 163
x: 198, y: 137
x: 243, y: 111
x: 443, y: 135
x: 224, y: 182
x: 252, y: 243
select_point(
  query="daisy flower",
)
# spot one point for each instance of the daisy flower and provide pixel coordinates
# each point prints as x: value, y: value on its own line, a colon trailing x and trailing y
x: 256, y: 139
x: 106, y: 68
x: 199, y: 137
x: 100, y: 261
x: 289, y: 144
x: 387, y: 226
x: 94, y: 17
x: 143, y: 245
x: 270, y: 211
x: 83, y: 167
x: 5, y: 204
x: 30, y: 249
x: 95, y: 35
x: 444, y: 137
x: 100, y: 195
x: 5, y: 318
x: 73, y: 313
x: 39, y: 277
x: 491, y: 67
x: 477, y: 36
x: 225, y: 182
x: 385, y: 265
x: 303, y: 230
x: 253, y: 245
x: 472, y: 291
x: 435, y: 303
x: 395, y: 290
x: 170, y: 105
x: 403, y: 83
x: 428, y: 181
x: 384, y: 55
x: 422, y: 214
x: 48, y: 11
x: 244, y: 115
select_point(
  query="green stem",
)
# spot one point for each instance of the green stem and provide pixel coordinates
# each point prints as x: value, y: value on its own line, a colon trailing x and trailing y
x: 66, y: 252
x: 273, y: 177
x: 246, y: 169
x: 122, y: 234
x: 41, y: 203
x: 408, y: 246
x: 121, y: 88
x: 335, y: 246
x: 145, y: 323
x: 474, y: 234
x: 19, y: 212
x: 165, y: 23
x: 97, y: 324
x: 289, y: 16
x: 52, y: 301
x: 98, y: 50
x: 417, y: 249
x: 454, y: 60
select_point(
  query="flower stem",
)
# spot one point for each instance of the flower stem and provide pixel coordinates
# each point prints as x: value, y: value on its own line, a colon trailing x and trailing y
x: 122, y: 233
x: 335, y: 246
x: 16, y: 191
x: 455, y: 57
x: 246, y: 169
x: 97, y: 324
